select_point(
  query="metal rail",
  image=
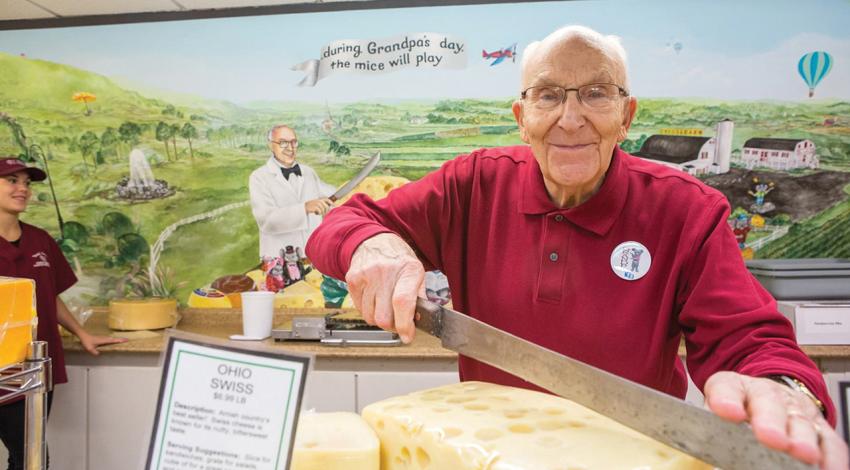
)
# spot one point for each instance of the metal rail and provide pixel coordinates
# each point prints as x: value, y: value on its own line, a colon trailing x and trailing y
x: 32, y: 379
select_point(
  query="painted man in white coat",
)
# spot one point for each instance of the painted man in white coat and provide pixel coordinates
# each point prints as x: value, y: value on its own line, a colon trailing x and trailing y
x: 288, y: 199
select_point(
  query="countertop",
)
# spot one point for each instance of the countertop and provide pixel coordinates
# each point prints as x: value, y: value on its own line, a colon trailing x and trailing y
x: 221, y: 323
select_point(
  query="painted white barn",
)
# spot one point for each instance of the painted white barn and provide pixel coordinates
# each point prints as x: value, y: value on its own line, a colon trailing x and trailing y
x: 779, y: 154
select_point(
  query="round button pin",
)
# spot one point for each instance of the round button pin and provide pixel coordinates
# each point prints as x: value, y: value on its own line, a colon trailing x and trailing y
x: 630, y: 261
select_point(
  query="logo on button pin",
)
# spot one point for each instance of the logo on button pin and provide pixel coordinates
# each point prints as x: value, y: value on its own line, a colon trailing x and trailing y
x: 630, y: 261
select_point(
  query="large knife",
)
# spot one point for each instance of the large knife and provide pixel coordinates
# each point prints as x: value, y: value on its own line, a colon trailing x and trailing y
x: 358, y: 178
x: 692, y: 430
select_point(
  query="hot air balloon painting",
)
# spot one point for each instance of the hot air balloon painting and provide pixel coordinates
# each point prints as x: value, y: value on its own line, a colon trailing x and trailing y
x: 813, y: 67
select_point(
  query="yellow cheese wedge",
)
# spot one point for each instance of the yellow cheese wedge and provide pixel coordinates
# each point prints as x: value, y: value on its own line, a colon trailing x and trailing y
x: 476, y: 425
x: 142, y: 314
x: 17, y: 318
x: 314, y: 278
x: 377, y: 187
x: 335, y: 441
x: 299, y: 295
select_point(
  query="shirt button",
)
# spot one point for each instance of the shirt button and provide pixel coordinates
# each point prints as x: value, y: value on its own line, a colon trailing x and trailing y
x: 553, y: 256
x: 559, y: 218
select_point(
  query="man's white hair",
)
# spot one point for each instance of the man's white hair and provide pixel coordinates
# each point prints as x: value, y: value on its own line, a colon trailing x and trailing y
x: 609, y: 45
x: 274, y: 128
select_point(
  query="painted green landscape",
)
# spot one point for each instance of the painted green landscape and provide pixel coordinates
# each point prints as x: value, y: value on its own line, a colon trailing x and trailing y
x: 204, y: 151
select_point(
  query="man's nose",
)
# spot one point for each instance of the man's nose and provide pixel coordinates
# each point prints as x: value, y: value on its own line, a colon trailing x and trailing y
x: 572, y: 111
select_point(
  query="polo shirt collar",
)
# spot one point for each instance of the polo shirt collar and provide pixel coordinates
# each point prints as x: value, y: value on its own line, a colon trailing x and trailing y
x: 597, y: 214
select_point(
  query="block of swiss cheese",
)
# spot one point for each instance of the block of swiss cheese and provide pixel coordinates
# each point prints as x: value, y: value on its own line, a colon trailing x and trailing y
x: 476, y: 425
x: 17, y: 318
x: 335, y: 441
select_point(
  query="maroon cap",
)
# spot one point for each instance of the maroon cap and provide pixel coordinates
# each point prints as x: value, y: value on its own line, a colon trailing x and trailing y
x: 9, y: 165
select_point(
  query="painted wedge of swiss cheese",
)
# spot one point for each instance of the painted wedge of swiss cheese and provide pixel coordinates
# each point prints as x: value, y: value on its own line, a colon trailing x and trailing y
x: 690, y: 429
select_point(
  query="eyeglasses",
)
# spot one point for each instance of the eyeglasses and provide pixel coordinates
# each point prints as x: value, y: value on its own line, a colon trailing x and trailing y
x: 594, y: 95
x: 286, y: 143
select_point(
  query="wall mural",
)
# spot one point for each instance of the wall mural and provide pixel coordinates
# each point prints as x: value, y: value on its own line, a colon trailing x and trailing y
x: 150, y: 131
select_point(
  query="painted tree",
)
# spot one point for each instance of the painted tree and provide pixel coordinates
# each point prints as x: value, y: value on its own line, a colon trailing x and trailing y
x: 109, y: 140
x: 163, y: 134
x: 174, y: 130
x: 189, y: 132
x: 88, y: 144
x: 84, y: 97
x: 130, y: 133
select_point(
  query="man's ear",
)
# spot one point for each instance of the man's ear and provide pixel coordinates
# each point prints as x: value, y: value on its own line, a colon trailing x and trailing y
x: 629, y: 110
x: 517, y: 109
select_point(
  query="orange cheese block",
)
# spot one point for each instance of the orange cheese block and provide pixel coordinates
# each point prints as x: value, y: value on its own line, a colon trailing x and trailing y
x: 142, y: 314
x: 17, y: 318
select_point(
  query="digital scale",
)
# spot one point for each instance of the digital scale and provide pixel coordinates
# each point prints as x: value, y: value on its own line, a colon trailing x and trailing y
x: 335, y: 330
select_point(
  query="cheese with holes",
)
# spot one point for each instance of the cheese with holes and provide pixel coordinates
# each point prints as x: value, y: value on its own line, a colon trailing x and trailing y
x: 376, y: 187
x: 314, y: 278
x: 299, y: 295
x: 142, y: 314
x: 17, y: 318
x: 476, y: 425
x: 335, y: 441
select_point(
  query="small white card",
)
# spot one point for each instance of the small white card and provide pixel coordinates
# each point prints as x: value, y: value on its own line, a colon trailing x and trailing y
x: 222, y: 407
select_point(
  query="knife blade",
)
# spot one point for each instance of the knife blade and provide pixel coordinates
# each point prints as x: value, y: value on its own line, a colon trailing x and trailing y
x: 690, y: 429
x: 358, y: 178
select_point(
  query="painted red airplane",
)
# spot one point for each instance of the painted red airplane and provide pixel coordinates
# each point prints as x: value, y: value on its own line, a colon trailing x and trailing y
x: 500, y: 54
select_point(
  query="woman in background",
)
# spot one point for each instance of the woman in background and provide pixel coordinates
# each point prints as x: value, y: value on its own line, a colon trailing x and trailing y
x: 30, y: 252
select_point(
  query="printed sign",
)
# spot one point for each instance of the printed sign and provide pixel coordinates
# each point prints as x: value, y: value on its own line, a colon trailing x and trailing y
x: 222, y: 408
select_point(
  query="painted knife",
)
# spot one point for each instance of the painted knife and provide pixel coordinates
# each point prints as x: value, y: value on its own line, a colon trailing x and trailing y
x: 358, y: 178
x: 690, y: 429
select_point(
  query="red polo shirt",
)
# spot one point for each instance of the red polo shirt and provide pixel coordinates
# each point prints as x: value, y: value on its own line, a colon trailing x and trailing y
x: 516, y: 261
x: 38, y: 257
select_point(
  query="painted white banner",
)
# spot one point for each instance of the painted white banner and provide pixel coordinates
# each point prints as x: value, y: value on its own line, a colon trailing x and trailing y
x: 414, y: 50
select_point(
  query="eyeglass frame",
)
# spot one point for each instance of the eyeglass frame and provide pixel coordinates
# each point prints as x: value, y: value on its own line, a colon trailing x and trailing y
x: 622, y: 93
x: 293, y: 144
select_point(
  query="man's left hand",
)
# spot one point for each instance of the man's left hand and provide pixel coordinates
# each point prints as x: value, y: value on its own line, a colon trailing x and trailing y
x: 91, y: 342
x: 781, y: 418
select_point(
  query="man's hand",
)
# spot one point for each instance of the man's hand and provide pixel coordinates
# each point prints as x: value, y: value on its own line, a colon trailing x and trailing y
x: 781, y: 418
x: 384, y: 279
x: 91, y: 342
x: 319, y: 206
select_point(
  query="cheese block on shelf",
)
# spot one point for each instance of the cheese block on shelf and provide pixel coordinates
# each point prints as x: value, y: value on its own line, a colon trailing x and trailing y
x: 299, y: 295
x: 142, y: 314
x: 335, y: 441
x: 476, y: 425
x: 17, y: 318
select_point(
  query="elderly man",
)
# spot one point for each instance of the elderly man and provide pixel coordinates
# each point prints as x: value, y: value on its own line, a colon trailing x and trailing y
x: 575, y: 245
x: 288, y: 199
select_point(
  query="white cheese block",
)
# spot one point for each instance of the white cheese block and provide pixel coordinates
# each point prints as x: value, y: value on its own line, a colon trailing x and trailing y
x: 142, y: 314
x: 335, y: 441
x: 476, y: 425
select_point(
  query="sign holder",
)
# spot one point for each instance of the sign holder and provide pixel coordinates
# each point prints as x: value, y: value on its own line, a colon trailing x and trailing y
x: 223, y: 405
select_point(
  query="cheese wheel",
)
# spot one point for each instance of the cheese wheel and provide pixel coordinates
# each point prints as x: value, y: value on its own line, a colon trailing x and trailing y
x: 207, y: 297
x: 299, y: 295
x: 17, y: 318
x: 335, y: 441
x: 142, y: 314
x: 476, y: 425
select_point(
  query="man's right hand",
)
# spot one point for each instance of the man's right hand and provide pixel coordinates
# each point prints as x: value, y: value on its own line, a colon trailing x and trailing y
x: 319, y: 206
x: 384, y: 279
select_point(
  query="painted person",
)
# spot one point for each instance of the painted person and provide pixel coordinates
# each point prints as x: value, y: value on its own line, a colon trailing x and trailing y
x: 29, y: 252
x: 288, y: 199
x: 562, y: 213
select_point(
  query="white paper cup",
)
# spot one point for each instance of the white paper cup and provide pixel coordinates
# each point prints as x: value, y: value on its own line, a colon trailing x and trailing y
x: 257, y: 313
